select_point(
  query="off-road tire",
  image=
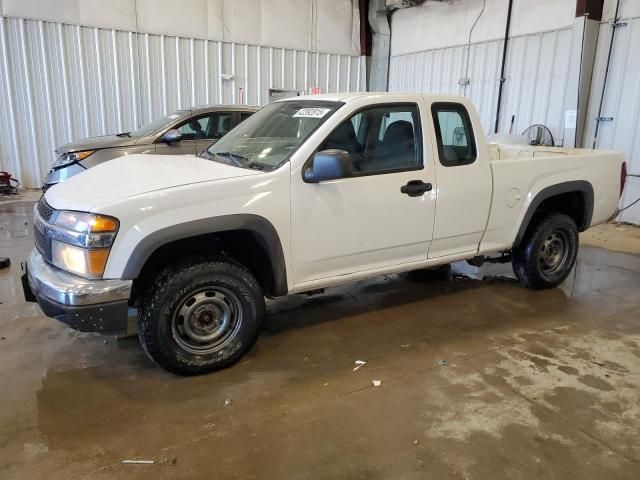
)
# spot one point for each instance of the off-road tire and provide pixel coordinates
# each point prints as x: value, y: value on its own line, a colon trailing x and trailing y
x: 220, y: 289
x: 547, y: 253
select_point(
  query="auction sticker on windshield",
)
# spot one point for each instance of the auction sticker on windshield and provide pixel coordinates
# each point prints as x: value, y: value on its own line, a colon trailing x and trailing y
x: 311, y: 112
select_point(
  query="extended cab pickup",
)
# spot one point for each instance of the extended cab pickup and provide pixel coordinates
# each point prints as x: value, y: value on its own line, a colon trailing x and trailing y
x: 307, y: 193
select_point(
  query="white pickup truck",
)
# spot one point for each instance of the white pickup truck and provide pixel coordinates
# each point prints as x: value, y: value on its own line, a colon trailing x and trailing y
x: 308, y: 193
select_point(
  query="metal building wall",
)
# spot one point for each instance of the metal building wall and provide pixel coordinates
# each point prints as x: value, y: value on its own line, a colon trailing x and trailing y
x: 535, y: 90
x: 621, y: 103
x: 439, y: 70
x: 61, y: 82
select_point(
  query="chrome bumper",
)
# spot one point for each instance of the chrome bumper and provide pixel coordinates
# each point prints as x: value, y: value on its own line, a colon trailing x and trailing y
x: 67, y: 289
x: 86, y: 305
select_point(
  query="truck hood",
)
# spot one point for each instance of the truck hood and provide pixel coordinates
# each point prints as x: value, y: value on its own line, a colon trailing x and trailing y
x: 134, y: 175
x: 96, y: 143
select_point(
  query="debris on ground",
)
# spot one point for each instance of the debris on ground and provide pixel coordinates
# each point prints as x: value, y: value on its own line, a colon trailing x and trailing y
x: 228, y: 402
x: 376, y: 383
x: 442, y: 363
x: 415, y: 442
x: 359, y: 363
x: 405, y: 345
x: 138, y: 462
x: 174, y: 461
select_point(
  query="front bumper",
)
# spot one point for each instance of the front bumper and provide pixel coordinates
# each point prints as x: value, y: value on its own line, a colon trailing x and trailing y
x: 85, y: 305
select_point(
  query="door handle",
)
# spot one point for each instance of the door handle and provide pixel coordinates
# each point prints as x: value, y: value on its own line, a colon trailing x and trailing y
x: 416, y: 188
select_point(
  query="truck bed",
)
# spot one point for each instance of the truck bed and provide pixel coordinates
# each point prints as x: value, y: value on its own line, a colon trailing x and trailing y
x: 520, y: 172
x: 518, y: 152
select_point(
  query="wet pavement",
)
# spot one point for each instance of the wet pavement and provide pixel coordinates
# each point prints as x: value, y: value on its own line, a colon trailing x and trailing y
x: 533, y: 384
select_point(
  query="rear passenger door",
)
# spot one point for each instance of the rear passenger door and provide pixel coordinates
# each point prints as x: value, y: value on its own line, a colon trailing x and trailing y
x: 464, y: 179
x: 366, y: 221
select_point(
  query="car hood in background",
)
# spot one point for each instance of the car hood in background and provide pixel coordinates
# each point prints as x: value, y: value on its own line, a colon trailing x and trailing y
x: 96, y: 143
x: 135, y: 175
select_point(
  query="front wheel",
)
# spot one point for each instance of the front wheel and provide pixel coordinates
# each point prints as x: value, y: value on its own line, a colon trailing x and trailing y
x: 547, y: 253
x: 201, y: 315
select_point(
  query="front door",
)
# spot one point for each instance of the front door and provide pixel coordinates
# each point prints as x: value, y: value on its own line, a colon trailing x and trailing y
x: 198, y: 132
x: 214, y: 126
x: 365, y: 222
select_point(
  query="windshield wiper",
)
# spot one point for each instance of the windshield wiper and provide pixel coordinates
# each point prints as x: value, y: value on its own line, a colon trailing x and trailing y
x: 232, y: 159
x: 123, y: 134
x: 240, y: 161
x: 233, y: 156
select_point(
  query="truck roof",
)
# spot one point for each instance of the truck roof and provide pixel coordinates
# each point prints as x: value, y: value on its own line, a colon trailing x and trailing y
x: 350, y: 96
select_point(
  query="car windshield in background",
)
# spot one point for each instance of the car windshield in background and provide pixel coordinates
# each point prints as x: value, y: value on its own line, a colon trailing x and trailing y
x: 156, y: 125
x: 267, y: 139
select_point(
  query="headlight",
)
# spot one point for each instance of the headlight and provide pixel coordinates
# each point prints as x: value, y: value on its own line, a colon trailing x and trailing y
x: 80, y: 242
x: 78, y: 260
x: 69, y: 158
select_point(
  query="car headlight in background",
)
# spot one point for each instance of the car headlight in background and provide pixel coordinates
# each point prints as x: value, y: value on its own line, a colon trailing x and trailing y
x: 80, y: 242
x: 69, y: 158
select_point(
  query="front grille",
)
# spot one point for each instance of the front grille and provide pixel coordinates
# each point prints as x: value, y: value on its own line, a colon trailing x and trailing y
x: 43, y: 244
x: 44, y: 210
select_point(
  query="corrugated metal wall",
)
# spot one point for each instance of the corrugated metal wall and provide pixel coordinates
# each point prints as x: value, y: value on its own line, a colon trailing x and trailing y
x: 622, y: 102
x: 537, y: 82
x: 62, y: 82
x: 535, y: 90
x: 438, y: 71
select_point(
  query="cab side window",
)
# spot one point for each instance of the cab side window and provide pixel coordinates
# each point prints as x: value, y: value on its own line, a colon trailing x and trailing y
x: 206, y: 127
x: 219, y: 125
x: 454, y: 134
x: 382, y: 139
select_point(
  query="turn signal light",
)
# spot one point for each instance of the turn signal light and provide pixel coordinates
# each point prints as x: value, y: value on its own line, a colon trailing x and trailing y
x: 103, y: 224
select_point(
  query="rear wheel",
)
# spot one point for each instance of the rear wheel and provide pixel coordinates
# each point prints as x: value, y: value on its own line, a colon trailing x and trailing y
x: 547, y: 253
x: 201, y: 315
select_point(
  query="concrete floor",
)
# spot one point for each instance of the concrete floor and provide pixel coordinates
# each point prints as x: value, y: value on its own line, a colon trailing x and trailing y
x: 536, y: 384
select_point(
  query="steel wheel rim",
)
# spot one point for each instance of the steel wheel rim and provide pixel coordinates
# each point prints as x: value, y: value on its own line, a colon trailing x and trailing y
x: 553, y: 252
x: 206, y: 320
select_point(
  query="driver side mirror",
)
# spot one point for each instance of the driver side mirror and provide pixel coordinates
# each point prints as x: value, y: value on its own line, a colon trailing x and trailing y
x: 328, y: 165
x: 172, y: 136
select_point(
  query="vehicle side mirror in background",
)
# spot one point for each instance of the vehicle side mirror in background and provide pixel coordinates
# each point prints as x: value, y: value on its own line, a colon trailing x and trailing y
x: 172, y: 136
x: 328, y: 165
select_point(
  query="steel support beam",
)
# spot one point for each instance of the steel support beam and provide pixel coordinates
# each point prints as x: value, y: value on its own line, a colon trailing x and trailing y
x: 378, y: 66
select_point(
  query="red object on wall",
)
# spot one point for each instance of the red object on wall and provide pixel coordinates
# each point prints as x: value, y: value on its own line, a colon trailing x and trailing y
x: 8, y: 184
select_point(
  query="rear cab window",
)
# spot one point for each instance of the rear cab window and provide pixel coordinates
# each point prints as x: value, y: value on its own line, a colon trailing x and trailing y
x: 454, y: 134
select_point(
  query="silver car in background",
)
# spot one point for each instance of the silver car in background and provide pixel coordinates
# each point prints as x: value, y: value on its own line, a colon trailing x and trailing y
x: 182, y: 132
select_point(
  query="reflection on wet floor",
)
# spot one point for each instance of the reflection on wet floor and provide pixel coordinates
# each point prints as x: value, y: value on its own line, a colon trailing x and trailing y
x: 535, y: 384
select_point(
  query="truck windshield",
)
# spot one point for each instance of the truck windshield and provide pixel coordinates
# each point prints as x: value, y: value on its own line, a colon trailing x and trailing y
x: 267, y: 139
x: 156, y: 125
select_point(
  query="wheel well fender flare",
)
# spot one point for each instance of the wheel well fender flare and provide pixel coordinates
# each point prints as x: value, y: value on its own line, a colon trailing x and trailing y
x: 262, y: 228
x: 579, y: 186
